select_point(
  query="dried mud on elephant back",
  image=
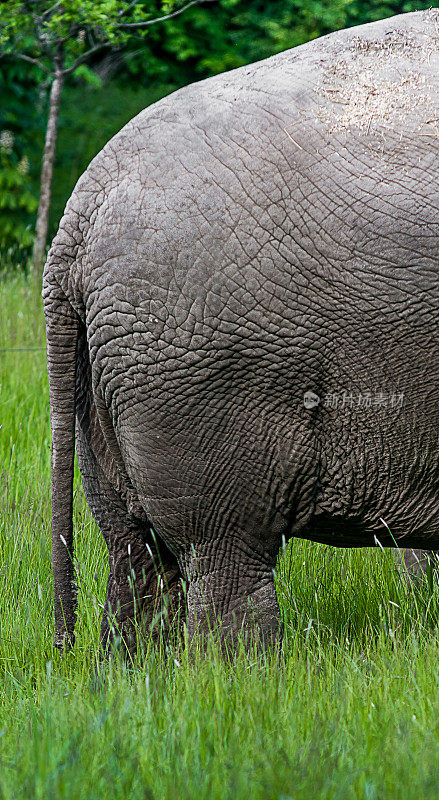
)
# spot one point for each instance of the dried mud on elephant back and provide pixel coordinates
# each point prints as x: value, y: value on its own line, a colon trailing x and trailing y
x: 380, y: 86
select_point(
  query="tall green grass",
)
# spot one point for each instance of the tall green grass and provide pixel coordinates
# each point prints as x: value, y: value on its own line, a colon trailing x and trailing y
x: 349, y: 709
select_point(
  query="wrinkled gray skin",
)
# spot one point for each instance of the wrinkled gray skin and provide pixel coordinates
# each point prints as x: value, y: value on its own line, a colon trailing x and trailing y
x: 266, y: 233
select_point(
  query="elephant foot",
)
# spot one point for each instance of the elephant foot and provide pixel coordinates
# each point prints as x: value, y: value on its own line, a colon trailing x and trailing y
x: 233, y: 598
x: 416, y: 563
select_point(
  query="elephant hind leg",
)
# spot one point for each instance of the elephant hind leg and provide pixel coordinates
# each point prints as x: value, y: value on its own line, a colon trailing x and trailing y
x: 144, y: 584
x: 233, y: 591
x: 144, y: 591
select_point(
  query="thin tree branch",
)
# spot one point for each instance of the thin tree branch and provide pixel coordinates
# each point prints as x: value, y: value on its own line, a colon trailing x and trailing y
x: 84, y: 57
x: 50, y: 11
x: 30, y: 60
x: 137, y: 25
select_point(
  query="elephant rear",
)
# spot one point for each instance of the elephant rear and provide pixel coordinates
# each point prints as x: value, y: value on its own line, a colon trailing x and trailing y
x: 254, y: 241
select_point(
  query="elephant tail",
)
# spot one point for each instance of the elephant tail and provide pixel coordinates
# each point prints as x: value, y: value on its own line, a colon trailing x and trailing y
x: 62, y: 328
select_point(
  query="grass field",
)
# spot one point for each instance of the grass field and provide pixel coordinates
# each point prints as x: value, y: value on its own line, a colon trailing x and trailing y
x: 349, y: 710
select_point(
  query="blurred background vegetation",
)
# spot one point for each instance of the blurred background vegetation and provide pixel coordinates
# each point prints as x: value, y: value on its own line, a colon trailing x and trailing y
x: 99, y: 99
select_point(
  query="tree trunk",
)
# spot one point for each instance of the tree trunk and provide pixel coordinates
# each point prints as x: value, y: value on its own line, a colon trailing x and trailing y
x: 47, y: 172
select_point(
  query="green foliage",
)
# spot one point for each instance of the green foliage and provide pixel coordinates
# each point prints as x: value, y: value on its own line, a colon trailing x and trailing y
x: 63, y: 34
x: 20, y: 121
x: 348, y: 712
x: 18, y: 202
x: 242, y: 31
x: 60, y: 39
x: 85, y: 74
x: 370, y: 10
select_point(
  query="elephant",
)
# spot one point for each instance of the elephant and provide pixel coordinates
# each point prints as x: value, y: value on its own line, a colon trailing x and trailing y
x: 242, y: 308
